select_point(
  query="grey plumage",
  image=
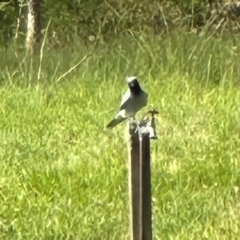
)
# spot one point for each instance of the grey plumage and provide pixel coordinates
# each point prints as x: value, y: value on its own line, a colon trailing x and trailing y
x: 132, y: 101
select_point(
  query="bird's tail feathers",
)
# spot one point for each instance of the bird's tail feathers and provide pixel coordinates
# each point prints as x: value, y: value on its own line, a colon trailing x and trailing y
x: 115, y: 122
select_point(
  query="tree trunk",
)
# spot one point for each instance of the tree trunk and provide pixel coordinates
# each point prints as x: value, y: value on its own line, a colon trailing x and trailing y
x: 33, y: 25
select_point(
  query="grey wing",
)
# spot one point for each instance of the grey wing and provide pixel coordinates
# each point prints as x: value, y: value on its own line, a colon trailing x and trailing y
x: 126, y: 99
x: 133, y: 104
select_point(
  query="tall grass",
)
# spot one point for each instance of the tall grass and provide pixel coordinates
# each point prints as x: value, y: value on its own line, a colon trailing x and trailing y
x: 206, y: 60
x: 63, y: 176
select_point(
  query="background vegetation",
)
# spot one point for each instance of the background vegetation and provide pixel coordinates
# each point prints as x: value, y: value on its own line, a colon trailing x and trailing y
x: 102, y: 21
x: 63, y: 176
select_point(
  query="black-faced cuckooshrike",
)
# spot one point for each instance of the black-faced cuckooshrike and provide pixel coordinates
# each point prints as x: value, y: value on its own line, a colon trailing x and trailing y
x: 132, y: 101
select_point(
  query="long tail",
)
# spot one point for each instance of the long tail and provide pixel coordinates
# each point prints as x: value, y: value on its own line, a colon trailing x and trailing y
x: 115, y: 122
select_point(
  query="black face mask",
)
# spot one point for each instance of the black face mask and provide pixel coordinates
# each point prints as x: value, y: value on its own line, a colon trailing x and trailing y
x: 134, y: 87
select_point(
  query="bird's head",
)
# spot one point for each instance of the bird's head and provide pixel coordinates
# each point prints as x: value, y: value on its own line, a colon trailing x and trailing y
x: 134, y: 85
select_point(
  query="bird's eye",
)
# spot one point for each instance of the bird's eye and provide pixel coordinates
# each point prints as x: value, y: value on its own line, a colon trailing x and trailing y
x: 131, y: 84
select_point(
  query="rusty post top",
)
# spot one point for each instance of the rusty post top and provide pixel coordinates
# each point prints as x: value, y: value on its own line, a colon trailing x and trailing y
x: 133, y: 127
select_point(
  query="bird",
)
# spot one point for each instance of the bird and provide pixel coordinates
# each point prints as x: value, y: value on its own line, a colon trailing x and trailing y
x: 132, y: 101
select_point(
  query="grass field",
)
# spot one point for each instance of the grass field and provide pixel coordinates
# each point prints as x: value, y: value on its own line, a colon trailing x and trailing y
x: 63, y: 176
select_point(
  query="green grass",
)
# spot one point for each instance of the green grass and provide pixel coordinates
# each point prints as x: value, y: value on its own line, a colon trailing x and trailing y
x: 63, y: 176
